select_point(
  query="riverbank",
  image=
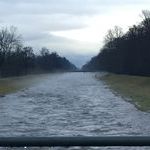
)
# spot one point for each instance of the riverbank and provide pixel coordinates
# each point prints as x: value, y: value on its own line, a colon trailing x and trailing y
x: 135, y: 88
x: 12, y: 84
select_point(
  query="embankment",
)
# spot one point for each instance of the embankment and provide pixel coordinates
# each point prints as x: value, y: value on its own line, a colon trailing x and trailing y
x: 13, y: 84
x: 134, y: 88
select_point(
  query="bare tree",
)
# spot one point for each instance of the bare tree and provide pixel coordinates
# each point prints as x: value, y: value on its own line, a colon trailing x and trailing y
x: 44, y: 51
x: 9, y: 39
x: 113, y: 33
x: 146, y: 20
x: 145, y: 14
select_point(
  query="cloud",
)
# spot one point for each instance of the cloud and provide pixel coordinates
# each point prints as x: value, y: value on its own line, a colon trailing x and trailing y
x: 62, y: 45
x: 75, y: 7
x: 71, y: 27
x: 45, y: 22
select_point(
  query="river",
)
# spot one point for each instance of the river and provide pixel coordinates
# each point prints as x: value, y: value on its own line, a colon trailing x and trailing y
x: 70, y: 104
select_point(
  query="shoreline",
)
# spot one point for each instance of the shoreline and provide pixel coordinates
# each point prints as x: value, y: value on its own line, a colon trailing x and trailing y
x: 134, y: 89
x: 13, y: 84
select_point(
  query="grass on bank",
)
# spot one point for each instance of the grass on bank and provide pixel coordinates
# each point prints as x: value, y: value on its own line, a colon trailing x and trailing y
x: 135, y: 88
x: 13, y: 84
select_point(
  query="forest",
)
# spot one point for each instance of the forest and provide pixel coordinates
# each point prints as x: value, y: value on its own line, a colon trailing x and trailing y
x: 17, y: 59
x: 125, y: 53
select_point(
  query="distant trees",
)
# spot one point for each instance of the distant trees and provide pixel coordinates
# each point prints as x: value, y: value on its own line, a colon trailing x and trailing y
x: 52, y: 61
x: 127, y: 53
x: 15, y: 59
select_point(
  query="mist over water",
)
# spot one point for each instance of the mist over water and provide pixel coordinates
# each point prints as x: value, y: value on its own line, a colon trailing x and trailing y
x: 70, y: 104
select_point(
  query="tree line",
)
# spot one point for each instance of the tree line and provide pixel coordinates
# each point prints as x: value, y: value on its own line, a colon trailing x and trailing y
x: 125, y: 53
x: 17, y: 59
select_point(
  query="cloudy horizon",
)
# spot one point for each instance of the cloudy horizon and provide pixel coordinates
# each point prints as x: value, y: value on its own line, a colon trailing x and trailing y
x: 73, y: 28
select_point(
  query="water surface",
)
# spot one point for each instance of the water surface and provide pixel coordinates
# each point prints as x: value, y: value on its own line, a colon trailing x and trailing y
x: 70, y: 104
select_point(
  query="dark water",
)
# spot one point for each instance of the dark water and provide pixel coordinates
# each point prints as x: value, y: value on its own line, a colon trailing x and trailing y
x: 70, y: 104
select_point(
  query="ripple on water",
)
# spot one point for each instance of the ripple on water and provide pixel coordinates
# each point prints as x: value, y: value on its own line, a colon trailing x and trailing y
x: 70, y: 104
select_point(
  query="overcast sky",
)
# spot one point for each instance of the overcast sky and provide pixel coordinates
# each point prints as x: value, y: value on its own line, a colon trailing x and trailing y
x: 73, y: 28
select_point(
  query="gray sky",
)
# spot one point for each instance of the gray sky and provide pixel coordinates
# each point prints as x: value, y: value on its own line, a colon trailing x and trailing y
x: 73, y: 28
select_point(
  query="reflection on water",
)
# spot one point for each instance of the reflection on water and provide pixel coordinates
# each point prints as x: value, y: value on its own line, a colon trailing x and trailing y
x: 70, y: 104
